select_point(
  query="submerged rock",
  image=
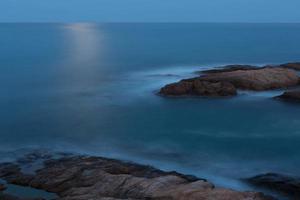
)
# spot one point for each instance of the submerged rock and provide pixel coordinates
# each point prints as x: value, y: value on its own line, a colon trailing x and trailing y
x: 84, y: 177
x: 293, y: 96
x: 277, y: 182
x: 198, y: 87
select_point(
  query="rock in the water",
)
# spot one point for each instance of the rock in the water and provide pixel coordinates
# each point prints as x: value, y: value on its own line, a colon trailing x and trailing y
x: 226, y: 83
x: 277, y: 182
x: 290, y: 96
x: 229, y: 68
x: 198, y: 87
x: 260, y: 79
x: 83, y: 177
x: 295, y: 66
x: 2, y: 187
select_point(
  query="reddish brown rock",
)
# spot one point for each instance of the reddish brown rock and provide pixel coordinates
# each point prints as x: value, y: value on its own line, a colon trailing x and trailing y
x: 199, y: 87
x: 259, y: 79
x: 83, y: 177
x: 226, y: 82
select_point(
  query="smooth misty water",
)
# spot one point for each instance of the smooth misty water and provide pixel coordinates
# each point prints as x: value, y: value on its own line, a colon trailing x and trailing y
x: 90, y: 88
x: 21, y: 191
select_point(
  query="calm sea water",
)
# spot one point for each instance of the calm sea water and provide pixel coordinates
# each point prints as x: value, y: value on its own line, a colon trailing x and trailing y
x: 90, y: 88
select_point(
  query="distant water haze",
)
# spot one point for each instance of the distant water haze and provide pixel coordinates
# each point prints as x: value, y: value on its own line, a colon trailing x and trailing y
x: 90, y: 88
x: 253, y: 11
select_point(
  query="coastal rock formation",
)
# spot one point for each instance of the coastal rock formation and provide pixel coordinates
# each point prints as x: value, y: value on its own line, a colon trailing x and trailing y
x: 198, y: 87
x: 259, y: 79
x: 295, y: 66
x: 290, y: 96
x: 229, y: 68
x: 84, y: 177
x: 226, y: 81
x: 278, y: 182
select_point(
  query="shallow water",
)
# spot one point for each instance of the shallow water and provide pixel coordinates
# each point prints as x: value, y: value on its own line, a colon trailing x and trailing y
x: 27, y: 192
x: 90, y: 88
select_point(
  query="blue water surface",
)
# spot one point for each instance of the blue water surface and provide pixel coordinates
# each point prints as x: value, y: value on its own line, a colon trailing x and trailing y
x: 90, y: 88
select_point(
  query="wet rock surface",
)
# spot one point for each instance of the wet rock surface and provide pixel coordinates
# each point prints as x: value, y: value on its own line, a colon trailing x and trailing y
x: 86, y: 178
x: 196, y: 87
x: 293, y: 96
x: 278, y: 182
x: 226, y: 81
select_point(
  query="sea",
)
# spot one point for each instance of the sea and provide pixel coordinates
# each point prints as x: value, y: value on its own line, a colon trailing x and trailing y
x: 91, y: 88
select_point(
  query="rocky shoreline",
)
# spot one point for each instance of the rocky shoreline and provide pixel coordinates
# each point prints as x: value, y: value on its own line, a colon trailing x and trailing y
x: 287, y: 185
x: 227, y: 80
x: 77, y: 177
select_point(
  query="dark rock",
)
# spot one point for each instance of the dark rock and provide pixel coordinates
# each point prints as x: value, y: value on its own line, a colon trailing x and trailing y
x: 295, y: 66
x: 84, y: 177
x: 199, y: 87
x: 229, y: 68
x: 278, y: 182
x: 6, y: 169
x: 293, y: 96
x: 2, y: 187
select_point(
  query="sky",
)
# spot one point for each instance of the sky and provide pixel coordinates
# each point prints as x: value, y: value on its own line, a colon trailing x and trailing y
x: 150, y: 11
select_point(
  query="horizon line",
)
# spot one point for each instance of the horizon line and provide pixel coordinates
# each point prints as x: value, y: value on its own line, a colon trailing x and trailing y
x: 140, y: 22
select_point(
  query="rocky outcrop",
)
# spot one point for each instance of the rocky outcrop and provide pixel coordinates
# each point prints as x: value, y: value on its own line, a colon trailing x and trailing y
x: 295, y: 66
x: 259, y: 79
x: 281, y: 183
x: 293, y: 96
x: 226, y: 81
x: 84, y: 177
x: 198, y: 87
x: 229, y: 68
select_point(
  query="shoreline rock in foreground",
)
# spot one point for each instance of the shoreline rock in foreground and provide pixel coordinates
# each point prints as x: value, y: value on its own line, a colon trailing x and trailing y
x: 277, y: 182
x: 226, y: 81
x: 85, y: 178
